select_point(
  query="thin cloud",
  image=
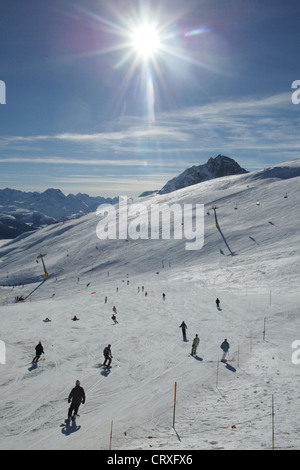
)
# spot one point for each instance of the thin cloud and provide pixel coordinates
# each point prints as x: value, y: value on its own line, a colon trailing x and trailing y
x: 69, y: 161
x: 88, y: 162
x: 252, y: 123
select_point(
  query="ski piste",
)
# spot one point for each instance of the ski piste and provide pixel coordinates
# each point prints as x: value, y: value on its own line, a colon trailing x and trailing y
x: 100, y: 366
x: 73, y: 418
x: 149, y: 344
x: 200, y: 359
x: 38, y: 361
x: 70, y: 422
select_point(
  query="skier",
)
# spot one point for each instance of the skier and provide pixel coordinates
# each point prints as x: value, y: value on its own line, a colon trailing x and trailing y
x: 107, y: 355
x: 225, y: 348
x: 164, y: 296
x: 76, y: 397
x: 114, y: 318
x: 184, y: 328
x: 105, y: 300
x: 114, y: 309
x: 195, y: 345
x: 218, y: 303
x: 39, y: 350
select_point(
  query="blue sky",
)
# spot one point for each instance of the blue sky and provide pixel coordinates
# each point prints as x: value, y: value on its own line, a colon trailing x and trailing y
x: 84, y: 112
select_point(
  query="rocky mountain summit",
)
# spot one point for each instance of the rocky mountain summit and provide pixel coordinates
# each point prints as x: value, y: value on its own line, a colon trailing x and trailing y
x: 213, y: 168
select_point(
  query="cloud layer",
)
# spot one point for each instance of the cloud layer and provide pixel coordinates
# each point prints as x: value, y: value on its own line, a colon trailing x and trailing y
x: 250, y: 130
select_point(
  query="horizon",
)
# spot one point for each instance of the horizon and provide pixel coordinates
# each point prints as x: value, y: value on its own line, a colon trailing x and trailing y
x: 85, y: 110
x: 99, y: 195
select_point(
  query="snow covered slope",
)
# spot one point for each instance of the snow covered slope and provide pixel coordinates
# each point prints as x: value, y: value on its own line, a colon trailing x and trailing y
x: 250, y: 261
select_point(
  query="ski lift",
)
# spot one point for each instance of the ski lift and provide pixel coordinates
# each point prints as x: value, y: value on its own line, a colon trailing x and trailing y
x: 41, y: 256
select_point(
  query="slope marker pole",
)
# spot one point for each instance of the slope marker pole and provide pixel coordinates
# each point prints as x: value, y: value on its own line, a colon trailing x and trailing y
x: 273, y: 425
x: 174, y: 408
x: 111, y: 432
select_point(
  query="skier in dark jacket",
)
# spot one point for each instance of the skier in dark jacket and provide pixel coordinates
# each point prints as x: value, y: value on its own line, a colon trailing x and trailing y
x: 76, y: 397
x: 184, y: 328
x: 218, y: 303
x: 225, y: 348
x: 107, y: 355
x: 39, y: 350
x: 195, y: 345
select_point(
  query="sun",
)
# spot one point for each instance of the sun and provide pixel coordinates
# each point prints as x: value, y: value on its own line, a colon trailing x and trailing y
x: 145, y: 40
x: 147, y: 44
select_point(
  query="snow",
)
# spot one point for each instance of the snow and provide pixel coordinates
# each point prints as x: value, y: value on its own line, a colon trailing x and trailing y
x: 218, y: 406
x: 213, y: 168
x: 39, y: 209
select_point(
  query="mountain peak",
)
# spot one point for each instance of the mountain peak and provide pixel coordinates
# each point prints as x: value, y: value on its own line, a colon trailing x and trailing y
x: 26, y: 211
x: 213, y: 168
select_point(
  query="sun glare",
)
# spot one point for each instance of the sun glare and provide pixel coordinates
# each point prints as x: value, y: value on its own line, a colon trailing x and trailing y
x: 149, y: 41
x: 145, y: 40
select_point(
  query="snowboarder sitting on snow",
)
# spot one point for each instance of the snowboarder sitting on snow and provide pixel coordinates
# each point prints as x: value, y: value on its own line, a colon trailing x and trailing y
x: 184, y: 328
x: 114, y: 318
x: 39, y: 350
x: 225, y: 348
x: 77, y: 396
x: 107, y: 355
x: 195, y: 345
x: 75, y: 318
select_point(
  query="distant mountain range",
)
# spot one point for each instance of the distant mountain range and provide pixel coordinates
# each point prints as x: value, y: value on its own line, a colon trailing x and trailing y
x: 26, y: 211
x: 213, y: 168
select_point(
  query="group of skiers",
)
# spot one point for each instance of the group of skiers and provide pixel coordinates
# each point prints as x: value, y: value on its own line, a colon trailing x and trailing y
x: 196, y: 340
x: 77, y: 394
x: 224, y: 346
